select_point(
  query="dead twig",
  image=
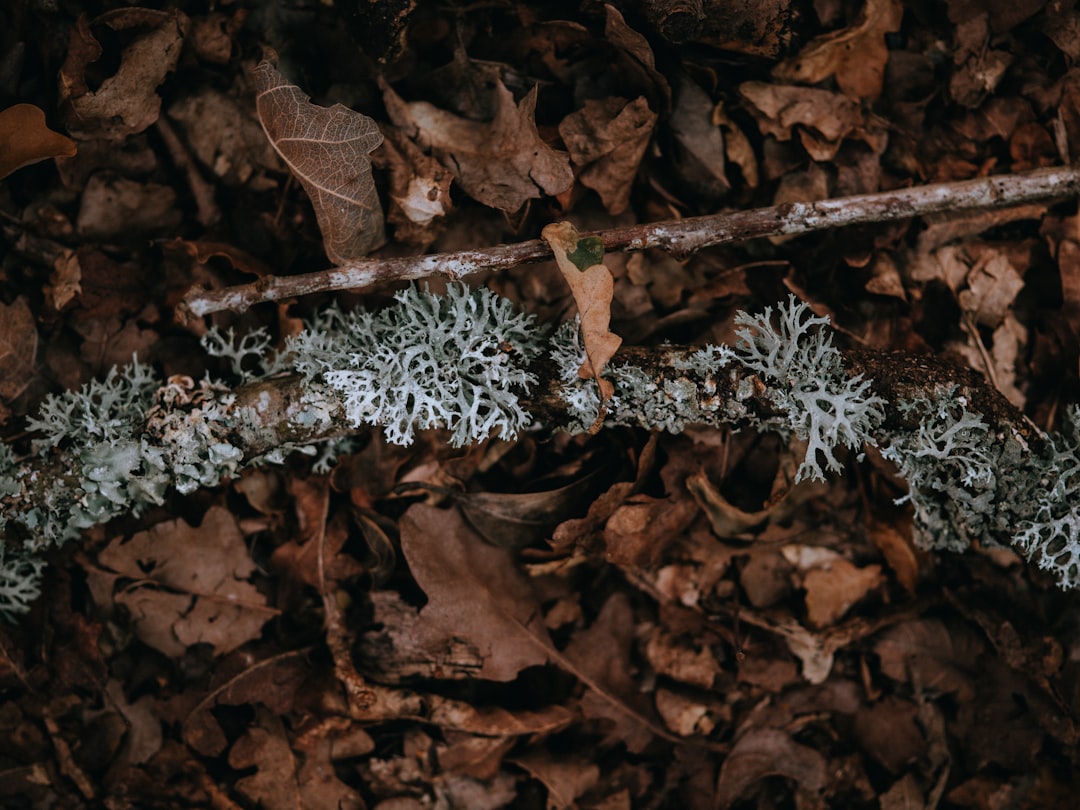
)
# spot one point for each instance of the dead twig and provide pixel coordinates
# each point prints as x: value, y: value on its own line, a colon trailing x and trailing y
x: 681, y: 237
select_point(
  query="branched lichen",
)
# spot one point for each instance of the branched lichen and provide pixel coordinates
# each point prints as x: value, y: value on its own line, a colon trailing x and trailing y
x: 457, y: 361
x: 469, y: 363
x: 824, y: 406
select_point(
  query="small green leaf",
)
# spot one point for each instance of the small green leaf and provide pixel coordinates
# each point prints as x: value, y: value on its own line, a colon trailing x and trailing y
x: 589, y: 251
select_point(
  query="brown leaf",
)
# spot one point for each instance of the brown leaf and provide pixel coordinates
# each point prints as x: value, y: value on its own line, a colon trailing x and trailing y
x: 763, y: 752
x: 114, y: 206
x: 504, y: 163
x: 698, y: 152
x: 126, y: 102
x: 64, y: 280
x: 607, y: 139
x: 25, y: 139
x: 779, y: 108
x: 602, y: 651
x: 263, y: 747
x: 565, y: 777
x: 327, y: 151
x: 227, y: 138
x: 475, y: 593
x: 889, y: 732
x: 593, y: 289
x: 941, y: 657
x: 833, y: 588
x: 190, y: 584
x: 18, y: 347
x: 855, y: 55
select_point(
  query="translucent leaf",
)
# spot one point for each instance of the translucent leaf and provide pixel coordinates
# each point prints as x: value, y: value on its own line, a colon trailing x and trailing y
x: 327, y: 150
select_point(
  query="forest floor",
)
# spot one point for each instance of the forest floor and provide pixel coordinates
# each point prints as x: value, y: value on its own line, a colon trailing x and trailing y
x: 608, y: 621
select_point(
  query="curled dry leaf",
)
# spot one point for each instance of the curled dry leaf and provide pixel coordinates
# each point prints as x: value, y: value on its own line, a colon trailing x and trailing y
x: 593, y: 288
x: 327, y: 149
x: 25, y: 139
x: 127, y: 102
x: 502, y: 164
x: 855, y: 55
x: 607, y: 139
x: 763, y: 752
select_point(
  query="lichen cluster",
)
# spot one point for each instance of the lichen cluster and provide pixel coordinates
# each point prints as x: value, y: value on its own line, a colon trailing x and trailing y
x: 461, y: 361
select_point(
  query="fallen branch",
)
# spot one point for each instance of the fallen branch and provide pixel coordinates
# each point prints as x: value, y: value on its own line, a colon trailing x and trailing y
x: 681, y: 237
x: 467, y: 362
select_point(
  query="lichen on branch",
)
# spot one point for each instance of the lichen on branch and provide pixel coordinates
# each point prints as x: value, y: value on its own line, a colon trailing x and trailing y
x: 469, y: 363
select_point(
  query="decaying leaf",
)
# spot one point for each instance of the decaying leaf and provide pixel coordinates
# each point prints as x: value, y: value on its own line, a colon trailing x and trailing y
x: 602, y: 651
x: 127, y: 102
x: 327, y: 149
x: 762, y: 752
x: 607, y: 140
x: 475, y: 592
x: 698, y: 143
x: 18, y: 347
x: 503, y: 164
x: 25, y: 139
x: 823, y: 118
x: 855, y: 55
x: 189, y: 584
x: 593, y: 287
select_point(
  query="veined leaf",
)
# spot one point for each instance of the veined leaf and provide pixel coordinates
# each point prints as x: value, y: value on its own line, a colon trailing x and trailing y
x: 327, y: 150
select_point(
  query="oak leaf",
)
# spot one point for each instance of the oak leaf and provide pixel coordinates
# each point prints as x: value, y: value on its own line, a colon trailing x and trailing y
x: 502, y: 164
x: 855, y: 55
x: 327, y: 149
x: 593, y: 288
x: 474, y: 592
x: 607, y: 140
x: 25, y: 139
x: 190, y: 584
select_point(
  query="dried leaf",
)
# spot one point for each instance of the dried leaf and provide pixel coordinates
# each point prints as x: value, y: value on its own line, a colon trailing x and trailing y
x: 18, y: 347
x: 699, y: 153
x: 25, y: 139
x: 602, y: 651
x: 992, y: 286
x: 116, y: 207
x: 327, y: 151
x: 855, y: 55
x: 607, y: 139
x: 126, y: 102
x: 65, y: 280
x: 833, y: 588
x: 503, y: 164
x: 263, y: 747
x: 190, y: 584
x: 940, y: 656
x: 226, y: 138
x: 763, y: 752
x: 778, y: 108
x: 593, y: 288
x: 565, y: 778
x: 475, y: 593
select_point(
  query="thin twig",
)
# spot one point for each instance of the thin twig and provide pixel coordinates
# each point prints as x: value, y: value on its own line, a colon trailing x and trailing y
x: 681, y: 237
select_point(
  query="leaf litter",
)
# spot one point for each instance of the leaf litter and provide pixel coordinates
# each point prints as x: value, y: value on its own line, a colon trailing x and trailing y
x: 682, y: 628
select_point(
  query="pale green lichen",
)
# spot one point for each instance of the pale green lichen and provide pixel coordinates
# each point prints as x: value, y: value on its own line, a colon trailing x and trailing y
x: 457, y: 361
x: 824, y: 406
x: 949, y: 463
x: 461, y: 361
